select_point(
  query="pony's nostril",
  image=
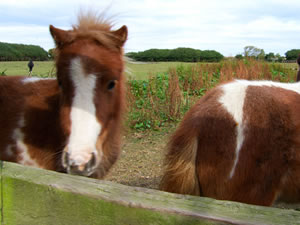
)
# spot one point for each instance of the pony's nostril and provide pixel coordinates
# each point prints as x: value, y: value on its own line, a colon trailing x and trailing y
x: 92, y: 161
x: 78, y: 166
x: 74, y: 169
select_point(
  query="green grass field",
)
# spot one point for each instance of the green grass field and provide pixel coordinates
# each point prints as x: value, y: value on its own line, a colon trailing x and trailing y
x: 139, y: 71
x: 41, y: 69
x: 134, y: 70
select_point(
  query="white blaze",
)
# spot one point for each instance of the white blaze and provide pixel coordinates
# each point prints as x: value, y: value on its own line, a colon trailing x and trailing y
x: 85, y: 127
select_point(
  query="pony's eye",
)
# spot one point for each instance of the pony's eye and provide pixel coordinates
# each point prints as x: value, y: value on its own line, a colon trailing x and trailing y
x: 111, y: 85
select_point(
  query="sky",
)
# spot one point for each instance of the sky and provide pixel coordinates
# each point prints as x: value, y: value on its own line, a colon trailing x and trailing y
x: 224, y: 26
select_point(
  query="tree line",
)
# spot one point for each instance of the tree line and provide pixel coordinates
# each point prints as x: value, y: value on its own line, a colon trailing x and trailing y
x: 292, y: 54
x: 178, y: 54
x: 21, y: 52
x: 257, y: 53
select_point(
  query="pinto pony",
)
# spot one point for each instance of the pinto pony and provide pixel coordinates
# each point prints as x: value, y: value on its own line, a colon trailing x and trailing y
x: 72, y: 123
x: 240, y: 142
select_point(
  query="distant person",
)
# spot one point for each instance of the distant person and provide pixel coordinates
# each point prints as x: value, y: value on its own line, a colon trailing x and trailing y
x: 30, y: 66
x: 298, y: 74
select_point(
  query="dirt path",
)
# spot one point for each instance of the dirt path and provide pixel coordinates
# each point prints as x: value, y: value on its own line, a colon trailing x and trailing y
x: 140, y: 162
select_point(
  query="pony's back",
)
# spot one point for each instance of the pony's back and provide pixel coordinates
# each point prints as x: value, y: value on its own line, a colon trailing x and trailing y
x: 28, y: 106
x: 239, y: 142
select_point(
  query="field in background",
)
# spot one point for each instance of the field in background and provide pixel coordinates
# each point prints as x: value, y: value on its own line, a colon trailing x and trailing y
x: 41, y: 68
x: 134, y: 70
x: 142, y: 71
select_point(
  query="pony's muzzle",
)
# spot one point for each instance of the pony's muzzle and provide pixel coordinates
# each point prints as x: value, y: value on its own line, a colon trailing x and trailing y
x: 77, y: 166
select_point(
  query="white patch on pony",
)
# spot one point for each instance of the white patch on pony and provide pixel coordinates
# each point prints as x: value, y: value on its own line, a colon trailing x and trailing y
x: 24, y: 156
x: 34, y: 79
x: 85, y: 128
x: 233, y: 101
x: 288, y: 86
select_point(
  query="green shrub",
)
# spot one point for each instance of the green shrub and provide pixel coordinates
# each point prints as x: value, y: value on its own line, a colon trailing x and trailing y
x: 176, y: 55
x: 20, y: 52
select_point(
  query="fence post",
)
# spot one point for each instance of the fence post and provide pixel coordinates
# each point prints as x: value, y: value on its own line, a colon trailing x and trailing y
x: 34, y: 196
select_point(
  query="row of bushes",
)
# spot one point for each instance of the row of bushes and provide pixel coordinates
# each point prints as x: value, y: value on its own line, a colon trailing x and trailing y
x: 178, y: 54
x: 20, y: 52
x: 292, y: 54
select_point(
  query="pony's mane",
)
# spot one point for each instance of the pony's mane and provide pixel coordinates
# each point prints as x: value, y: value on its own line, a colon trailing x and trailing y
x: 91, y: 25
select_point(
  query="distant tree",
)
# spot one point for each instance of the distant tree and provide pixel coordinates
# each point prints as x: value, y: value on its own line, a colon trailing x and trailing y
x: 279, y: 58
x: 183, y: 55
x: 20, y: 52
x: 261, y: 55
x: 211, y: 56
x: 292, y: 54
x: 252, y: 51
x: 178, y: 54
x: 239, y: 56
x: 150, y: 55
x: 270, y: 57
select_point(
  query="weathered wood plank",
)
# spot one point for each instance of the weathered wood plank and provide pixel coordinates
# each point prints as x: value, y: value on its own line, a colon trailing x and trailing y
x: 34, y: 196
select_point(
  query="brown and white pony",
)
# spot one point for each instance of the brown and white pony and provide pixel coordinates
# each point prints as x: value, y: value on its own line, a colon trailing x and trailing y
x: 239, y: 142
x: 72, y: 123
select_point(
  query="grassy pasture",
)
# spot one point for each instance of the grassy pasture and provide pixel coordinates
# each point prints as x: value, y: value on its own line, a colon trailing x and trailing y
x: 141, y: 71
x: 41, y: 68
x: 134, y: 70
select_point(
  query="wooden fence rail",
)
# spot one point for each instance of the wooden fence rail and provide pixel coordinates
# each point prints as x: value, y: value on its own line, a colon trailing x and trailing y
x: 30, y: 196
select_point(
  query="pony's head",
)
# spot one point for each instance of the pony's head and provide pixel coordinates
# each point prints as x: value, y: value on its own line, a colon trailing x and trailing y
x: 89, y: 62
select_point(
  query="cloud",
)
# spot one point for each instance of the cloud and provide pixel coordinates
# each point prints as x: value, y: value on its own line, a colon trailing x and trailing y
x: 36, y: 35
x: 225, y: 26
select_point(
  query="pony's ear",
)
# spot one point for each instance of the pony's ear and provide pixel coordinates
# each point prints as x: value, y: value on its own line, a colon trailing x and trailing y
x: 60, y: 37
x: 121, y: 35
